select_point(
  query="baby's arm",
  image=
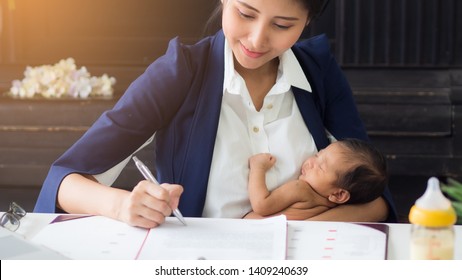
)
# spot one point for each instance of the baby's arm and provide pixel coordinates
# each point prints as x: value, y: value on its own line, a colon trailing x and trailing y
x: 258, y: 191
x: 262, y: 200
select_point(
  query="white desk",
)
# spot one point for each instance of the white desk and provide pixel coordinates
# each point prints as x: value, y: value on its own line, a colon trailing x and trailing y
x: 398, y: 240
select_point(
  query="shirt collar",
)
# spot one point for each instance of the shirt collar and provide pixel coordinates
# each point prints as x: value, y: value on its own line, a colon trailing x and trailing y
x: 290, y: 72
x: 293, y: 72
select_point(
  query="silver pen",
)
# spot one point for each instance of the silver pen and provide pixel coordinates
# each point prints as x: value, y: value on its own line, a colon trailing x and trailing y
x: 148, y: 176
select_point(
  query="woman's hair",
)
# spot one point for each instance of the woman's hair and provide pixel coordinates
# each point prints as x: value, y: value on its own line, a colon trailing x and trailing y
x: 314, y: 7
x: 213, y: 24
x: 368, y: 177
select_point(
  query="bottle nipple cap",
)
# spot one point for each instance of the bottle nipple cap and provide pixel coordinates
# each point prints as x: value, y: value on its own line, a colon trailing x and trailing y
x: 433, y: 198
x: 432, y: 209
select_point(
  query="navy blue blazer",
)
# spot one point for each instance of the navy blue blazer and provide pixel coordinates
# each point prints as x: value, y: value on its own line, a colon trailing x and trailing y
x: 179, y: 96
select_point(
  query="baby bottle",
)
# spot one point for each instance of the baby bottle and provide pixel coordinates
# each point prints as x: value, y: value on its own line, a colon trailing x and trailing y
x: 432, y: 218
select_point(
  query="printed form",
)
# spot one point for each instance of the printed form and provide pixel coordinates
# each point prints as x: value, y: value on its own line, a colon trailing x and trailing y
x: 97, y: 237
x: 218, y: 239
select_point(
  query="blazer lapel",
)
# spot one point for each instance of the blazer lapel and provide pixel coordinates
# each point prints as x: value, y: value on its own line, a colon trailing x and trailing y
x: 196, y: 168
x: 311, y: 116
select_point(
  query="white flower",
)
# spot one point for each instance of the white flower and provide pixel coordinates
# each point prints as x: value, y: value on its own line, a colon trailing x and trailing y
x: 80, y: 88
x: 63, y: 79
x: 103, y: 85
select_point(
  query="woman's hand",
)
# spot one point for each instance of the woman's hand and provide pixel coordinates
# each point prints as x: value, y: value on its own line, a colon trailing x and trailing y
x: 253, y: 215
x: 148, y: 204
x: 374, y: 211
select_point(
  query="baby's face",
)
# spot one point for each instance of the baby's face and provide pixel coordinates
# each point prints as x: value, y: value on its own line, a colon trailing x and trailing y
x: 322, y: 170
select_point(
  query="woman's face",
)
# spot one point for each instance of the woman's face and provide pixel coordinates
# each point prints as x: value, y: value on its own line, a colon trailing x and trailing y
x: 260, y: 30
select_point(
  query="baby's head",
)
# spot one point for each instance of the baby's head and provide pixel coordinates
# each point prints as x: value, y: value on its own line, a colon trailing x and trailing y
x: 366, y: 176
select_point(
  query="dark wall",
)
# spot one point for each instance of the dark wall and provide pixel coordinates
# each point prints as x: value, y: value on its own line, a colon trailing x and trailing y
x: 403, y: 59
x: 394, y: 33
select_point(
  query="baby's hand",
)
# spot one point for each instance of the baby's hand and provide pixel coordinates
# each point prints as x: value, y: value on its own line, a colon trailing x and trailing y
x: 263, y: 161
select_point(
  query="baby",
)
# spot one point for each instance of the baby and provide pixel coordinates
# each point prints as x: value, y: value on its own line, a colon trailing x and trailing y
x: 347, y: 171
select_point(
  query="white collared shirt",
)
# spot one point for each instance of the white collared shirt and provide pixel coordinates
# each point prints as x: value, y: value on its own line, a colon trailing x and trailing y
x: 278, y: 128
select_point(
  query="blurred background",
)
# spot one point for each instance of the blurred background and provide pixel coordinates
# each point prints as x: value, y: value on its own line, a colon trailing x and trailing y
x: 403, y: 59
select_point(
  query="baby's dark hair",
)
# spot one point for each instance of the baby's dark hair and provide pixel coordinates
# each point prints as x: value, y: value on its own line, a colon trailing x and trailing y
x: 368, y: 177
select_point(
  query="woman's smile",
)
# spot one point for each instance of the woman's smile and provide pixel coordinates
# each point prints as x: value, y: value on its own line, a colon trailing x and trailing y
x: 250, y: 53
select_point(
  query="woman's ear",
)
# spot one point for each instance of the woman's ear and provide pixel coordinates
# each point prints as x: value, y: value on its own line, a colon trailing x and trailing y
x: 339, y: 196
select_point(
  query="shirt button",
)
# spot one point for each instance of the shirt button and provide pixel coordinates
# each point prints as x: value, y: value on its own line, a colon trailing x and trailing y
x: 269, y: 107
x: 256, y: 129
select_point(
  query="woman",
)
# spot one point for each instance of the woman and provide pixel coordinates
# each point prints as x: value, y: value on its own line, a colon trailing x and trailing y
x: 248, y: 89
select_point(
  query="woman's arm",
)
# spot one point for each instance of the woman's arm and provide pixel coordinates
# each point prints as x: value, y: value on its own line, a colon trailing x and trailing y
x: 374, y: 211
x: 146, y: 206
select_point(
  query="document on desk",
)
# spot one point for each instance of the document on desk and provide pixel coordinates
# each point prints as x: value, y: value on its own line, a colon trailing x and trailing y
x: 218, y: 239
x: 15, y: 247
x: 337, y: 241
x: 91, y: 238
x: 96, y: 237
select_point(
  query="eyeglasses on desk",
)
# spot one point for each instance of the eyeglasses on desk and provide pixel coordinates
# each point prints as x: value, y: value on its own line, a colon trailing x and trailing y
x: 11, y: 218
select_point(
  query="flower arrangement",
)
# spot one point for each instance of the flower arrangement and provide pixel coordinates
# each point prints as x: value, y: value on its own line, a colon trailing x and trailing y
x: 62, y: 79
